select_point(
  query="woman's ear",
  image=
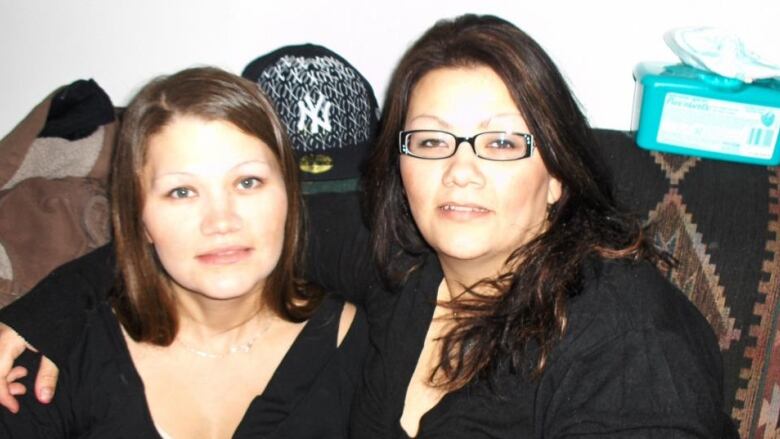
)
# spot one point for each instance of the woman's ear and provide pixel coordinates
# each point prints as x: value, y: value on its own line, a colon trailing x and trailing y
x: 554, y: 190
x: 148, y: 236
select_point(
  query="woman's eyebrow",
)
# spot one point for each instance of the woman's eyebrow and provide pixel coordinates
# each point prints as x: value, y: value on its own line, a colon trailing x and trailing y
x: 190, y: 173
x: 441, y: 122
x: 503, y: 116
x: 261, y: 162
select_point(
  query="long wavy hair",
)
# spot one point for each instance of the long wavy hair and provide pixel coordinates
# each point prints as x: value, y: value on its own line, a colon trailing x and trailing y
x: 142, y: 298
x: 524, y: 310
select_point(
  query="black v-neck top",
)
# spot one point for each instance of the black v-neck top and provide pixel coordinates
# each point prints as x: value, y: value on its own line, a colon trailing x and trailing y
x: 100, y: 393
x: 637, y: 361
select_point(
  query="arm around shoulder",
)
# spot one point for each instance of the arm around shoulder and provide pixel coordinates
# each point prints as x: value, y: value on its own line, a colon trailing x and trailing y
x: 49, y: 315
x: 338, y: 253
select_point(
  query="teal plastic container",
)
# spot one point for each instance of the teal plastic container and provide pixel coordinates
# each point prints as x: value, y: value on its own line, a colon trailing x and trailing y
x: 683, y: 110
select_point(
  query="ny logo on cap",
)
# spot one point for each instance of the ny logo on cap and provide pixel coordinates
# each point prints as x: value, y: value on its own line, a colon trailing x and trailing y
x: 319, y: 114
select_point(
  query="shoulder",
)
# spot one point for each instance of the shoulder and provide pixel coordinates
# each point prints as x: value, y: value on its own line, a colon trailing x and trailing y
x: 345, y: 323
x: 92, y: 270
x: 340, y: 328
x: 352, y: 323
x: 345, y: 319
x: 636, y: 353
x: 625, y: 295
x: 631, y: 306
x: 100, y: 340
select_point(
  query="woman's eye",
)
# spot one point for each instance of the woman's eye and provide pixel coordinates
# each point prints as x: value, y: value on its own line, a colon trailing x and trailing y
x: 249, y: 183
x: 502, y: 144
x: 180, y: 192
x: 432, y: 143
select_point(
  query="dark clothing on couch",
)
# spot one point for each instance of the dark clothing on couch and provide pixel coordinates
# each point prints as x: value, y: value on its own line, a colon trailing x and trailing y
x: 101, y: 395
x: 637, y: 360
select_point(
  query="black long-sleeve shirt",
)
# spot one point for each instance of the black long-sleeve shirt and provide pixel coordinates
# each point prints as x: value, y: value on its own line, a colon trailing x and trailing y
x: 637, y: 360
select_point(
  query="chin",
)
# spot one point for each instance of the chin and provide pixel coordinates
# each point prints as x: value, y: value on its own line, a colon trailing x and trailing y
x: 464, y: 253
x: 475, y: 251
x: 227, y: 289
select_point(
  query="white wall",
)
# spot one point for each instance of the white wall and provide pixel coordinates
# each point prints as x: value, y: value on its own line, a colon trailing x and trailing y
x: 121, y: 44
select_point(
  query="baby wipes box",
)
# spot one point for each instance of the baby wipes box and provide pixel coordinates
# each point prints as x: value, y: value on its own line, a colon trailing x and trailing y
x: 684, y: 110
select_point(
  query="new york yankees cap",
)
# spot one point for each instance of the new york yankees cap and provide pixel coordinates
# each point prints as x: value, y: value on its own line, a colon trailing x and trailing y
x: 328, y: 107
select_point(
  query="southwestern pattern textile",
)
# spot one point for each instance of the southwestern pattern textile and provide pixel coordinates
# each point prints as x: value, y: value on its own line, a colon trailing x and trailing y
x: 720, y: 222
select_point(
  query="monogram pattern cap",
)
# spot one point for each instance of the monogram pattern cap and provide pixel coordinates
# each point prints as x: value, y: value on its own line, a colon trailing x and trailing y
x: 328, y: 107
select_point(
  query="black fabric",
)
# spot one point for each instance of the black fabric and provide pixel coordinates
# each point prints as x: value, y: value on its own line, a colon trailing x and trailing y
x: 101, y: 395
x: 52, y: 315
x: 638, y: 360
x: 77, y: 110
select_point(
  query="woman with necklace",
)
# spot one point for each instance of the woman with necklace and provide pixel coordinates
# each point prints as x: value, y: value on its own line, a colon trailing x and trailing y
x: 209, y: 331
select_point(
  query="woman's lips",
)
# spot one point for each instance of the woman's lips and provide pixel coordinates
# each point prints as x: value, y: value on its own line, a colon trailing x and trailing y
x: 224, y: 256
x: 460, y: 211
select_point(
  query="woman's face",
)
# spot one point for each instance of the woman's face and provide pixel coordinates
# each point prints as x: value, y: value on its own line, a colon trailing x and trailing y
x: 470, y: 210
x: 215, y: 207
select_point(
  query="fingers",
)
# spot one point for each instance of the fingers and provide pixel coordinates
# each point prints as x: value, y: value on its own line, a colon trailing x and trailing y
x: 46, y: 380
x: 17, y: 389
x: 16, y: 373
x: 7, y: 399
x: 11, y: 346
x: 12, y: 388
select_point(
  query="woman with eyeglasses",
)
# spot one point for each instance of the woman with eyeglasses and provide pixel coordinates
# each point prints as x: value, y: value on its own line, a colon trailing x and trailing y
x: 508, y: 295
x: 527, y: 303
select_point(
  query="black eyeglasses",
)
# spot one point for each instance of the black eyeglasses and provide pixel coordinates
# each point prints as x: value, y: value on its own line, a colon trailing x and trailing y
x: 489, y: 145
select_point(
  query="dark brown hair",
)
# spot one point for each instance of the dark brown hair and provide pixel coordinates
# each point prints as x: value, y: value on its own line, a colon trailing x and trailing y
x: 526, y: 311
x: 142, y: 298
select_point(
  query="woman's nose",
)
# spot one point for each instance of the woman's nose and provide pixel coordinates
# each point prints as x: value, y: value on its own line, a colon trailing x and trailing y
x: 463, y: 168
x: 220, y: 216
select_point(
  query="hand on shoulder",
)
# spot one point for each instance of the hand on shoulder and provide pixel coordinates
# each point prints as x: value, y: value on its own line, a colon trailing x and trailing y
x: 12, y: 345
